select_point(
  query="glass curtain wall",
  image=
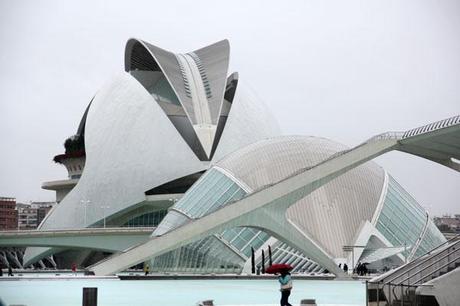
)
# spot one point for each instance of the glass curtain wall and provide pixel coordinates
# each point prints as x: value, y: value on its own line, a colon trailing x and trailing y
x: 433, y: 237
x: 225, y: 252
x: 150, y: 219
x: 402, y: 221
x: 283, y: 253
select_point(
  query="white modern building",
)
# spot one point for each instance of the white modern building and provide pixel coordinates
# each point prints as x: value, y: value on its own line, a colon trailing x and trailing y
x: 177, y: 137
x: 364, y: 207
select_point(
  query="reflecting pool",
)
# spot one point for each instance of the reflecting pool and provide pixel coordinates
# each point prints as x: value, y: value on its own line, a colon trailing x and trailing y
x: 111, y: 292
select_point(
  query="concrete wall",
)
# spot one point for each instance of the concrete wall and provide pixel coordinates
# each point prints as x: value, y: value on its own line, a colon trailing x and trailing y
x: 444, y: 288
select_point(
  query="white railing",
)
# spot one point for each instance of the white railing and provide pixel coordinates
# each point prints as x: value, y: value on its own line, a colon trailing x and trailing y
x: 401, y: 283
x: 433, y: 126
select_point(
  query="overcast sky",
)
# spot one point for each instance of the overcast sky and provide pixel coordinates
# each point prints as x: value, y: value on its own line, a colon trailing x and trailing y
x: 344, y: 70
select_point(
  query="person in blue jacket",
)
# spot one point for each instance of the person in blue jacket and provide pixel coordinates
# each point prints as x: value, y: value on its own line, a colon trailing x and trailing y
x: 286, y: 287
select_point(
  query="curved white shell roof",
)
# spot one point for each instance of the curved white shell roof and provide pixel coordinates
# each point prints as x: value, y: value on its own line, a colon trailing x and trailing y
x: 332, y: 214
x: 132, y: 147
x: 129, y: 144
x: 249, y: 120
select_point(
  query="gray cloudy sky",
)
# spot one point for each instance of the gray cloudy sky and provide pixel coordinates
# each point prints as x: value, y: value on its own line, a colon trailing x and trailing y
x: 345, y: 70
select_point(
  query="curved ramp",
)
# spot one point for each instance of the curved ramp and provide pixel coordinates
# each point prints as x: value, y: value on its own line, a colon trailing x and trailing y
x: 104, y: 239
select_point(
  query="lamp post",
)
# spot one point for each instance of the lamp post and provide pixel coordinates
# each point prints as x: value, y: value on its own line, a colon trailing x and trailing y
x: 85, y: 203
x: 103, y: 209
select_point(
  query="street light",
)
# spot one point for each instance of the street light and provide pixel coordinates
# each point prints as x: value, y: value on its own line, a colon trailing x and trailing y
x: 85, y: 203
x: 103, y: 209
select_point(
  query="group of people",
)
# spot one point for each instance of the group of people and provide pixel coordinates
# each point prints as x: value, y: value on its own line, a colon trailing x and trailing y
x: 362, y: 269
x: 345, y: 267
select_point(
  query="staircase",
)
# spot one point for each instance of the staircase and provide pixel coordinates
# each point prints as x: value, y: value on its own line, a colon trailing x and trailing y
x: 399, y: 287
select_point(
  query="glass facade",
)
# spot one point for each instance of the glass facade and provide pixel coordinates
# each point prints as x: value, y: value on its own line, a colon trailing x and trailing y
x: 402, y: 221
x: 224, y: 252
x: 207, y: 255
x: 150, y: 219
x: 243, y: 238
x: 283, y: 253
x: 162, y: 91
x: 213, y: 191
x: 157, y: 85
x: 432, y: 238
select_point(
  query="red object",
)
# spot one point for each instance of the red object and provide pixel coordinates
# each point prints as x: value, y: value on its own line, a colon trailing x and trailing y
x: 278, y: 268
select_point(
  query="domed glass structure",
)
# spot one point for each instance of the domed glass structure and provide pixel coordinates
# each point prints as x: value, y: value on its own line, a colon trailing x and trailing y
x: 331, y: 216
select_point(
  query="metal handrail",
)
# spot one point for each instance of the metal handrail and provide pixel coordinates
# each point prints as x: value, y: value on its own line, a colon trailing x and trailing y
x: 386, y: 135
x: 430, y: 265
x: 426, y: 259
x: 402, y: 294
x: 442, y: 267
x: 390, y: 284
x: 432, y: 126
x: 419, y: 239
x: 412, y: 268
x: 430, y: 251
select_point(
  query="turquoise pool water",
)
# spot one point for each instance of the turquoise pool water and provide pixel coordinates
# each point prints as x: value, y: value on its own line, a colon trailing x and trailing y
x: 68, y: 292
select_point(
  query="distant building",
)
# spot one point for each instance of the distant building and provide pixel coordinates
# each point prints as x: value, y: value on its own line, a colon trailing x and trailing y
x: 42, y: 210
x: 8, y: 214
x: 27, y: 216
x: 448, y: 224
x: 32, y: 214
x: 24, y: 217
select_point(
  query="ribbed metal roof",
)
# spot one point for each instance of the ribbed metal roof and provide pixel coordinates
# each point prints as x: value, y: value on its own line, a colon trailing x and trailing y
x: 332, y: 214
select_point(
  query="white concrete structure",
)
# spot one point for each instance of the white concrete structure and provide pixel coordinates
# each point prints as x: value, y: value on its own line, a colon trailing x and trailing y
x: 103, y: 239
x: 177, y: 139
x: 431, y: 279
x: 265, y: 208
x: 443, y: 288
x: 143, y: 130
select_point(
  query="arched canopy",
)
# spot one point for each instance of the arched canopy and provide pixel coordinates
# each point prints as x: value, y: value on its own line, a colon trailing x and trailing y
x: 138, y: 57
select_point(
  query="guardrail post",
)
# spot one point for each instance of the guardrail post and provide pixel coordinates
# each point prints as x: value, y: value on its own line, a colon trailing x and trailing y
x: 367, y: 293
x: 402, y: 295
x: 390, y: 293
x: 89, y: 296
x: 378, y: 294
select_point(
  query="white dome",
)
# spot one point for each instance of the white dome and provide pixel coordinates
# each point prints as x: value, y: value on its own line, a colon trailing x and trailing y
x: 332, y: 214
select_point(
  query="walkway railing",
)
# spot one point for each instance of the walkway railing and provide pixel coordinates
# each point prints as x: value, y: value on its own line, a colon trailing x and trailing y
x: 433, y: 126
x: 400, y: 285
x: 74, y: 231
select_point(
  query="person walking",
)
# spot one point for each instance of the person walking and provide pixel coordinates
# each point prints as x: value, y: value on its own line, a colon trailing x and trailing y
x: 358, y: 268
x: 10, y: 271
x: 286, y: 287
x: 74, y: 268
x: 146, y: 270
